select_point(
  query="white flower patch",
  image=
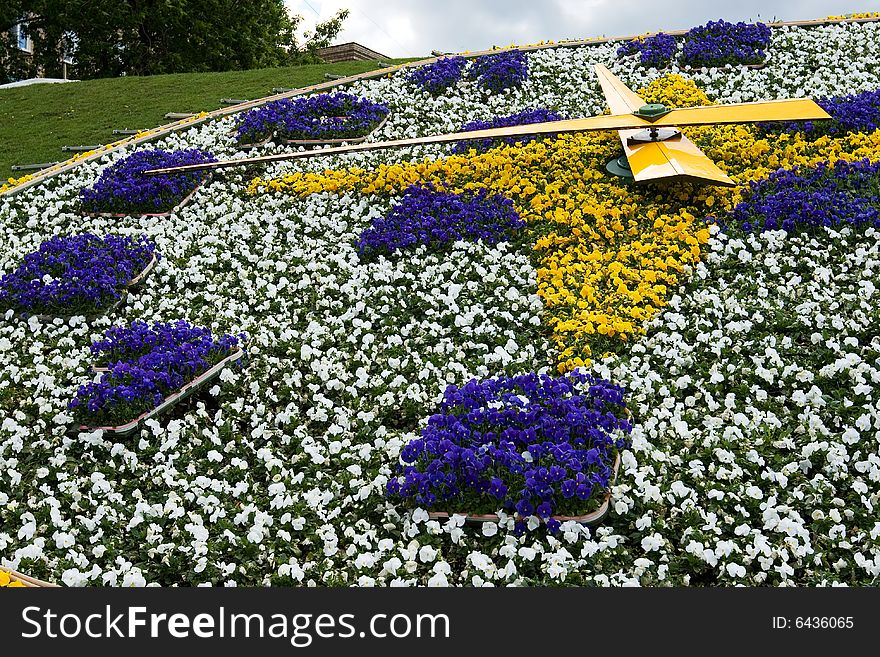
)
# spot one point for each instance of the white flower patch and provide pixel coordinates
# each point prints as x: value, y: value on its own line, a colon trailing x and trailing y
x: 782, y: 500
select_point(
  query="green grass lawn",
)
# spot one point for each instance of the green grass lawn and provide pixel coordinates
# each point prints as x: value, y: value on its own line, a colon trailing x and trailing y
x: 39, y: 119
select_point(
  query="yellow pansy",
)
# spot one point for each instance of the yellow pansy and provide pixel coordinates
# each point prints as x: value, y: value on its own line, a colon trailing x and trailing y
x: 7, y: 581
x: 15, y: 182
x: 863, y: 14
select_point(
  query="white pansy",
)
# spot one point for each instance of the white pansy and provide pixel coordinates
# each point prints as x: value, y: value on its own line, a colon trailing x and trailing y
x: 427, y: 553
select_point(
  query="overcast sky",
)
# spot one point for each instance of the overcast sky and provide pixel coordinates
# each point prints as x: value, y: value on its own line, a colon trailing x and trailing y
x: 410, y: 28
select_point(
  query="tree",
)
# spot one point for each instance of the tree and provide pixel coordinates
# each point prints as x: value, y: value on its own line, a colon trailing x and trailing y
x: 145, y: 37
x: 14, y: 63
x: 324, y: 34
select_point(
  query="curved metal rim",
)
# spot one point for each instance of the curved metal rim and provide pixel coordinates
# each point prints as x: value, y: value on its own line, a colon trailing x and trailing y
x: 591, y: 518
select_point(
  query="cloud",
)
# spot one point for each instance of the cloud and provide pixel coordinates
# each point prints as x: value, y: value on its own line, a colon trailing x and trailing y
x: 412, y: 28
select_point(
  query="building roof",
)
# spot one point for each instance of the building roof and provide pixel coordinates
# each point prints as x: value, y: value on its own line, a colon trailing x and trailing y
x: 351, y: 51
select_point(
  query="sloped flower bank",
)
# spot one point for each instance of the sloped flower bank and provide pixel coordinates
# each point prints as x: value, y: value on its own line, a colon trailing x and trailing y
x: 749, y: 358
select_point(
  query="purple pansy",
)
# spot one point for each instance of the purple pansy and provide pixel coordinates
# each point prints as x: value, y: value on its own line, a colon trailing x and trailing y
x: 527, y: 443
x: 426, y: 215
x: 322, y: 116
x: 525, y: 117
x: 437, y: 77
x: 504, y: 70
x: 858, y: 112
x: 123, y: 188
x: 80, y: 274
x: 718, y: 43
x: 146, y: 363
x: 654, y: 51
x: 826, y: 195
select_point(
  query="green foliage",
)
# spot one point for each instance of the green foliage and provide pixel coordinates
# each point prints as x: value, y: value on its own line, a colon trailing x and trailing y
x: 108, y: 38
x: 323, y: 36
x: 39, y: 119
x: 14, y: 63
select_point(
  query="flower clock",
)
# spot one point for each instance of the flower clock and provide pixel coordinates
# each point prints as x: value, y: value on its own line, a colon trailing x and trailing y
x: 491, y: 364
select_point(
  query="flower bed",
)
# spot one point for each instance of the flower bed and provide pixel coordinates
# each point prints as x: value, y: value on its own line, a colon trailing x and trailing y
x: 520, y: 118
x: 123, y: 190
x: 595, y: 516
x: 496, y: 73
x: 322, y: 118
x: 538, y: 446
x: 718, y: 43
x: 654, y: 51
x: 436, y: 218
x: 258, y: 126
x: 146, y: 365
x: 439, y: 76
x: 78, y: 275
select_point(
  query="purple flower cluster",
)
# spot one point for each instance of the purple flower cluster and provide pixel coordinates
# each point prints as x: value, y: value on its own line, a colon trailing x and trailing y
x: 322, y: 116
x: 845, y: 193
x: 534, y: 444
x: 654, y: 51
x: 260, y: 123
x: 426, y: 215
x: 859, y: 112
x: 520, y: 118
x: 146, y: 363
x: 718, y: 43
x: 81, y: 274
x: 122, y: 187
x: 438, y: 77
x: 501, y: 71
